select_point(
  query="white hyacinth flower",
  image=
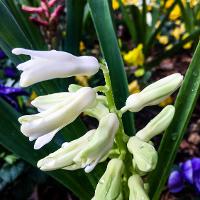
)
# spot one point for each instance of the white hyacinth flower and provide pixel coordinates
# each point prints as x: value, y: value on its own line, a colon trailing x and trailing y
x: 56, y: 114
x: 86, y: 151
x: 157, y: 125
x: 46, y: 65
x: 63, y: 157
x: 100, y: 144
x: 154, y: 93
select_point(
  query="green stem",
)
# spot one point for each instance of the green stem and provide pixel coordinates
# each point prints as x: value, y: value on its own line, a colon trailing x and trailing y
x: 120, y: 136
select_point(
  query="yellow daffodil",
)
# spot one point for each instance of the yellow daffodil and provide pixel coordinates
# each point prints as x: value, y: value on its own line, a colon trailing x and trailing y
x: 163, y: 39
x: 134, y: 87
x: 135, y: 57
x: 166, y: 102
x: 188, y: 45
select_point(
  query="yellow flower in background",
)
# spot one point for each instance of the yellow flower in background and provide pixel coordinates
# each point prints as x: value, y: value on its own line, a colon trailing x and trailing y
x: 115, y: 4
x: 168, y: 3
x: 135, y: 57
x: 82, y: 80
x: 163, y: 39
x: 168, y: 47
x: 175, y: 13
x: 134, y: 87
x: 157, y: 23
x: 139, y: 72
x: 178, y: 22
x: 188, y: 45
x: 178, y: 31
x: 166, y: 102
x: 81, y: 46
x: 193, y: 3
x: 33, y: 95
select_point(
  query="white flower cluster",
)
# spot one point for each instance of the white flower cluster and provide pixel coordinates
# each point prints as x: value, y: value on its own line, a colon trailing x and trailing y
x: 60, y: 109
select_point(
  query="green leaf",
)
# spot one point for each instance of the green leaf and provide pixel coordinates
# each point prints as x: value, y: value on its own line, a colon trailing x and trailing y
x: 31, y: 30
x: 11, y: 36
x: 184, y: 105
x: 10, y: 32
x: 75, y: 10
x: 108, y: 41
x: 12, y: 139
x: 129, y: 22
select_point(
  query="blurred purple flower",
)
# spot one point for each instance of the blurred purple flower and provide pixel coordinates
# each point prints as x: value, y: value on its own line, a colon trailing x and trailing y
x: 2, y: 54
x: 189, y: 172
x: 10, y: 72
x: 175, y: 182
x: 10, y: 94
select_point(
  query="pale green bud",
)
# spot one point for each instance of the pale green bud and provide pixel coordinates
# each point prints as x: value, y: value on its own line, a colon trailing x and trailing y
x: 154, y: 93
x: 110, y: 185
x: 74, y: 87
x: 98, y: 111
x: 157, y: 125
x: 63, y: 157
x: 100, y: 144
x: 144, y: 154
x: 136, y: 188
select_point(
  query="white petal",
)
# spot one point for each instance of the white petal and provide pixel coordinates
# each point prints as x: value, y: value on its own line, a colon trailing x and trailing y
x: 46, y: 65
x: 41, y: 141
x: 45, y: 102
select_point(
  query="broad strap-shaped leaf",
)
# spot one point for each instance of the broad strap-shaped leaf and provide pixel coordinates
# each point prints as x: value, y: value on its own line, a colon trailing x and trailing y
x: 74, y: 18
x: 109, y: 45
x: 12, y: 139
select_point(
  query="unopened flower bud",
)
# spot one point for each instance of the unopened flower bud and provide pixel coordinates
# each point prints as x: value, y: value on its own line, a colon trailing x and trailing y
x: 56, y: 114
x: 46, y: 65
x: 100, y: 144
x: 63, y: 157
x: 110, y: 184
x: 136, y: 188
x: 154, y: 93
x: 144, y: 154
x: 157, y: 125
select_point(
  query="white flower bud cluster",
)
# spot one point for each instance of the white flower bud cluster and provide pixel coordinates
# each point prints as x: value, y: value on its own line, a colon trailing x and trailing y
x: 60, y: 109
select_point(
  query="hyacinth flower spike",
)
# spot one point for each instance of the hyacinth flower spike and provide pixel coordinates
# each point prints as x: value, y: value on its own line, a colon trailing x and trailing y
x: 85, y: 152
x: 46, y: 65
x: 154, y: 93
x: 110, y: 184
x: 43, y: 126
